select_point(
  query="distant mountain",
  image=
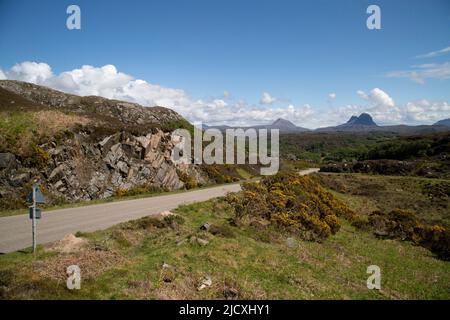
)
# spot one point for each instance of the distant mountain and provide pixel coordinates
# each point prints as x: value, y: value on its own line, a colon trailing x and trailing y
x: 355, y: 124
x: 360, y: 124
x: 365, y: 123
x: 364, y: 119
x: 352, y: 120
x: 444, y: 122
x: 221, y: 128
x: 285, y: 126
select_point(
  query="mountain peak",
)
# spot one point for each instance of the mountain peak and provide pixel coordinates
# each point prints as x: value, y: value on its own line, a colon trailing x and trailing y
x: 352, y: 120
x: 364, y: 119
x: 283, y: 123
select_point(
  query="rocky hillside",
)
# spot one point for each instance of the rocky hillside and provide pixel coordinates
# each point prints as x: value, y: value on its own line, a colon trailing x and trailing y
x: 119, y: 113
x: 83, y: 148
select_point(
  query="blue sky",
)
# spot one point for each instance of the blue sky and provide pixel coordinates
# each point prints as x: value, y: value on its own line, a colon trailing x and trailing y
x: 298, y: 52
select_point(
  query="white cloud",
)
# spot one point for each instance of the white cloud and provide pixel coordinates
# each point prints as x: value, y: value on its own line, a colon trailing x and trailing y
x: 380, y: 106
x: 104, y: 81
x: 433, y: 54
x: 332, y: 96
x: 108, y: 82
x: 424, y: 111
x: 384, y: 110
x: 30, y: 72
x: 377, y: 97
x: 2, y: 75
x: 362, y: 95
x: 381, y: 116
x: 381, y: 98
x: 419, y: 73
x: 266, y: 98
x: 413, y: 113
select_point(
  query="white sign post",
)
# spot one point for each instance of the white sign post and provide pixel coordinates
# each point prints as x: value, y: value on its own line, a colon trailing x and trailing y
x: 34, y: 197
x: 33, y: 221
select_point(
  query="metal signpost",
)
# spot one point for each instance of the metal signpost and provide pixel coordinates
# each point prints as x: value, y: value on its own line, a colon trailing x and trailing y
x: 34, y: 197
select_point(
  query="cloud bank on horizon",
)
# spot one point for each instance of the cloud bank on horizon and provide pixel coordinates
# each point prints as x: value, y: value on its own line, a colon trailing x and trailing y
x: 108, y: 82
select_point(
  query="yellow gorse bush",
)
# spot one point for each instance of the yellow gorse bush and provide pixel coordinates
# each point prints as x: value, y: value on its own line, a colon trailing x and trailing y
x: 294, y: 202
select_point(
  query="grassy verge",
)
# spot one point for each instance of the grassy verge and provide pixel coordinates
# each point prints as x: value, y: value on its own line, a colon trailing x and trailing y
x: 242, y: 263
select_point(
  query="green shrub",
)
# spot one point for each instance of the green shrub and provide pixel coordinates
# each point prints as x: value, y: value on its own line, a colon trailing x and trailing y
x: 137, y: 190
x: 189, y: 181
x: 38, y: 159
x: 149, y: 222
x: 436, y: 190
x: 404, y: 225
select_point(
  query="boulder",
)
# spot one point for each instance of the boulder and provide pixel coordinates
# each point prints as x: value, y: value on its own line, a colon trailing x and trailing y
x: 155, y: 140
x: 200, y: 241
x: 108, y: 142
x: 230, y: 293
x: 107, y: 193
x: 58, y: 173
x: 205, y: 226
x: 92, y: 190
x: 114, y: 155
x: 123, y: 167
x: 18, y: 180
x: 144, y: 140
x: 144, y: 174
x: 58, y: 185
x: 205, y: 283
x: 7, y: 161
x: 116, y: 179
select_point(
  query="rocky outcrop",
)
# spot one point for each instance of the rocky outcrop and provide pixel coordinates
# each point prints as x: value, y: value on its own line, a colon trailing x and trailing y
x: 109, y: 147
x: 7, y: 161
x: 81, y: 169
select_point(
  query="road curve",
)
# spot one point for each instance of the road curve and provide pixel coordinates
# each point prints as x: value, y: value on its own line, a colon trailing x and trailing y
x: 15, y: 231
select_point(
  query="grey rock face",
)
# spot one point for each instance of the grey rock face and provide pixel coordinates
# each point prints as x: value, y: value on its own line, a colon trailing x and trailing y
x: 19, y: 179
x: 7, y: 161
x: 83, y: 169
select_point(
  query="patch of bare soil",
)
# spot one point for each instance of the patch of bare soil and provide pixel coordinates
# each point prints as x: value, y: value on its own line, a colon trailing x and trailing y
x: 70, y: 243
x: 92, y: 259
